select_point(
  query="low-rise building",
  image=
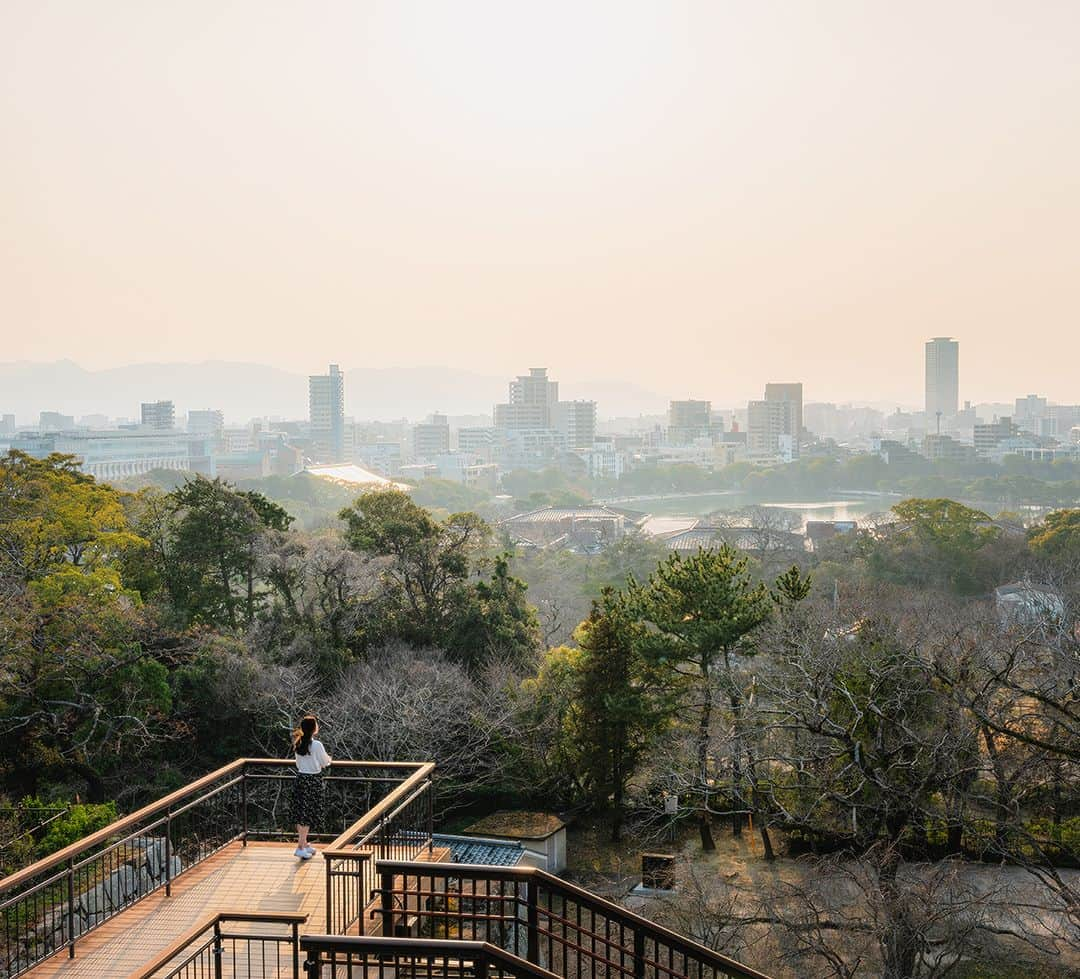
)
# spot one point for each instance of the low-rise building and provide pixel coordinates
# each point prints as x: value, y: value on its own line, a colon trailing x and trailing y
x: 945, y: 448
x: 116, y: 454
x: 586, y: 527
x: 988, y: 436
x: 540, y: 833
x: 54, y: 421
x: 431, y: 438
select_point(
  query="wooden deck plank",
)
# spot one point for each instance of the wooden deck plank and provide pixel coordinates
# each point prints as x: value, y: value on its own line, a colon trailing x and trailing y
x: 258, y: 877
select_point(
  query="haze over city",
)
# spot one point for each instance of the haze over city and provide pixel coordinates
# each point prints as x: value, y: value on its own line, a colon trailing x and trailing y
x: 536, y: 489
x: 690, y: 198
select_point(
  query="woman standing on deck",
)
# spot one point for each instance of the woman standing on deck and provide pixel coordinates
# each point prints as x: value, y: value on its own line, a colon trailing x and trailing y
x: 311, y: 759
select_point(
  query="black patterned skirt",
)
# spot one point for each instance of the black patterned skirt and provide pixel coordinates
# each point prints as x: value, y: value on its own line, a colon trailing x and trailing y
x: 308, y: 800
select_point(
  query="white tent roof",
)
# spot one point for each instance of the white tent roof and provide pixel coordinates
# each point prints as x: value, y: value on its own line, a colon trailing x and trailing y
x: 355, y: 477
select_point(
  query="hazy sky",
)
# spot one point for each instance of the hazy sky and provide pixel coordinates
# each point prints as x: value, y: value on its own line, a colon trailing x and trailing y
x: 698, y: 197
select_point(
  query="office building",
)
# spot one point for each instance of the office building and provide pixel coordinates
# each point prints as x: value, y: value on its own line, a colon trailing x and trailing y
x: 159, y: 415
x: 53, y: 421
x: 532, y: 427
x: 115, y: 454
x: 771, y: 430
x: 688, y: 421
x: 326, y: 413
x: 7, y: 424
x: 383, y: 458
x: 944, y: 448
x: 206, y: 421
x: 531, y: 404
x: 576, y: 421
x: 942, y: 380
x: 989, y: 436
x: 431, y: 438
x: 793, y: 394
x: 478, y: 441
x: 1028, y: 411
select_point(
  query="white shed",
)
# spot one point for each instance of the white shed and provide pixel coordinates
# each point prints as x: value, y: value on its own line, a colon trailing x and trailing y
x: 541, y: 833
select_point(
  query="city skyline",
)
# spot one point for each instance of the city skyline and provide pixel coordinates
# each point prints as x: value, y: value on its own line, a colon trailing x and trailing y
x: 698, y: 187
x: 651, y: 402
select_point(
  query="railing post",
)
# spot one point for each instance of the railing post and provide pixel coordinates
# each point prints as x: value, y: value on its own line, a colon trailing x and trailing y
x: 244, y: 806
x: 218, y: 949
x: 363, y: 894
x: 71, y: 907
x: 480, y: 966
x: 639, y: 953
x: 296, y: 950
x: 168, y: 853
x: 532, y: 937
x: 430, y: 816
x: 311, y: 965
x: 329, y: 895
x: 386, y: 903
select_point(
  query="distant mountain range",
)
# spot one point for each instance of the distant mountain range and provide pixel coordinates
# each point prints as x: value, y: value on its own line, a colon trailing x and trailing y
x: 243, y: 391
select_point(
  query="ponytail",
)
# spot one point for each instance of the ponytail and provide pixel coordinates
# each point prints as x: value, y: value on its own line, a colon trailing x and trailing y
x: 302, y: 737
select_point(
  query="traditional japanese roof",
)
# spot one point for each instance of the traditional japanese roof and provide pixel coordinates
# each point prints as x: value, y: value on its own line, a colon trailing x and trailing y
x: 490, y: 853
x: 591, y: 511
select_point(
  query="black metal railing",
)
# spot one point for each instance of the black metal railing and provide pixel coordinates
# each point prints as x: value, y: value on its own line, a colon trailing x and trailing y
x: 265, y: 946
x: 372, y: 957
x: 542, y: 919
x: 47, y: 906
x: 400, y: 829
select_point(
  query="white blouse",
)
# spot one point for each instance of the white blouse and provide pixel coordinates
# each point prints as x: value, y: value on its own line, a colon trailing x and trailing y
x: 314, y: 761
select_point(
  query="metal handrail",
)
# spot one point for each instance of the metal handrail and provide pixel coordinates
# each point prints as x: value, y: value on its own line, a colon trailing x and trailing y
x: 50, y: 886
x: 267, y: 917
x: 371, y: 819
x: 163, y: 806
x: 107, y: 832
x: 382, y: 945
x: 386, y: 870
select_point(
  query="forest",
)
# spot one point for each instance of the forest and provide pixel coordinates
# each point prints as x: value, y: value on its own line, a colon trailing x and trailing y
x: 891, y: 733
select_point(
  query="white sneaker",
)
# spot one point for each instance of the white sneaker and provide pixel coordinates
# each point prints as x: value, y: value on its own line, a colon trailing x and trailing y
x: 310, y: 850
x: 303, y: 853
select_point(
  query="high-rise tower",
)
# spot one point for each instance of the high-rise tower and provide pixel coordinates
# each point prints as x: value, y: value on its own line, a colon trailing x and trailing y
x: 326, y: 412
x: 942, y: 378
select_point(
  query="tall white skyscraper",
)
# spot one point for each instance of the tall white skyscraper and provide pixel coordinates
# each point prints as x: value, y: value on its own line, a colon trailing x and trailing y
x: 942, y: 378
x: 326, y: 412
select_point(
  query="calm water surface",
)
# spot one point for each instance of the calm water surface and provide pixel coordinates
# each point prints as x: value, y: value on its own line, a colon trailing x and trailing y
x: 853, y: 508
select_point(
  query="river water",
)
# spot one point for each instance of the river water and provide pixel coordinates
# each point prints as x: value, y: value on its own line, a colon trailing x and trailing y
x: 698, y: 505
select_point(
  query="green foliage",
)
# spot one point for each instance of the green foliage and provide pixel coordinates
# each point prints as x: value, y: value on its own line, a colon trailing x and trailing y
x: 428, y: 564
x: 937, y: 541
x: 699, y: 607
x: 791, y: 588
x: 52, y: 515
x: 494, y: 620
x: 314, y: 502
x: 1057, y: 535
x: 443, y: 494
x: 76, y: 676
x: 205, y: 534
x: 80, y: 820
x: 1017, y: 481
x: 695, y: 613
x: 622, y: 706
x: 549, y: 487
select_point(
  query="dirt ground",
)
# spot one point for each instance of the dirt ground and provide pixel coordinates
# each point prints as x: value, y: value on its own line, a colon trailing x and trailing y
x: 612, y: 870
